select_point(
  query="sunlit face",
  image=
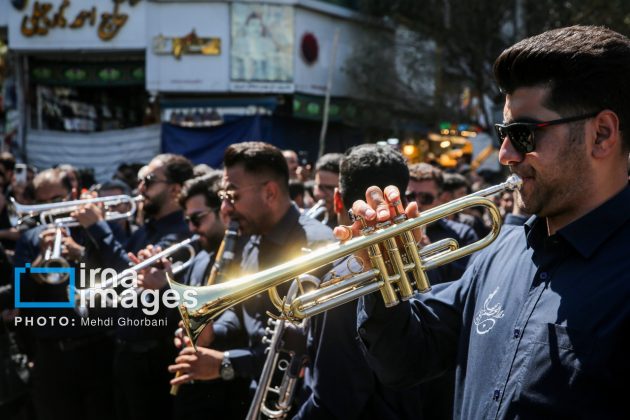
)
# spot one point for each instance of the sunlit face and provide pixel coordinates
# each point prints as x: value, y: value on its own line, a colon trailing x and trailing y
x: 425, y: 193
x: 154, y: 186
x: 244, y: 201
x: 203, y: 221
x: 555, y: 174
x: 292, y: 162
x: 325, y: 184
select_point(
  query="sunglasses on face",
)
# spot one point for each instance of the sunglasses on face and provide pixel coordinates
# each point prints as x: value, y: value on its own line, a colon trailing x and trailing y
x: 197, y: 218
x: 326, y: 188
x: 152, y: 179
x: 232, y: 195
x: 422, y: 198
x: 521, y: 134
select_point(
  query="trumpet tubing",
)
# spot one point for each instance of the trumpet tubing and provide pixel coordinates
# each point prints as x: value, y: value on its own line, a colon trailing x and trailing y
x: 398, y: 277
x: 59, y: 213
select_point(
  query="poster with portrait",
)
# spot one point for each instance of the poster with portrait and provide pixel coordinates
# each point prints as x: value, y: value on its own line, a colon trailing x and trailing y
x: 262, y: 44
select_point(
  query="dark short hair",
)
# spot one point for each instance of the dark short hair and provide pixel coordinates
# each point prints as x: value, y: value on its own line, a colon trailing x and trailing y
x: 370, y: 164
x: 425, y: 172
x: 329, y: 162
x: 207, y: 185
x: 296, y: 188
x: 259, y: 158
x: 585, y: 67
x: 7, y: 160
x: 453, y: 182
x: 177, y: 168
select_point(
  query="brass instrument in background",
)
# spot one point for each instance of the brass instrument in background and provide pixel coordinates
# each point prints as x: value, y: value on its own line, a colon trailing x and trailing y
x: 58, y: 214
x: 281, y: 341
x: 117, y: 281
x: 53, y: 259
x: 318, y: 211
x: 225, y: 255
x: 398, y: 277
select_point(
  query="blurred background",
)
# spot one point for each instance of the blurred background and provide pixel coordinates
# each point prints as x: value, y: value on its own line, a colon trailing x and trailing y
x: 100, y: 83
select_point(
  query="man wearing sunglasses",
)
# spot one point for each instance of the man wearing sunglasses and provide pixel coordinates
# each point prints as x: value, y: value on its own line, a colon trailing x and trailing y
x: 426, y: 188
x: 143, y: 354
x: 537, y: 326
x: 256, y: 195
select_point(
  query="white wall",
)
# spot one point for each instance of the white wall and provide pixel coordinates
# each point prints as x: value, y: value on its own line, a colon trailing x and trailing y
x: 130, y: 36
x: 191, y: 73
x: 312, y: 79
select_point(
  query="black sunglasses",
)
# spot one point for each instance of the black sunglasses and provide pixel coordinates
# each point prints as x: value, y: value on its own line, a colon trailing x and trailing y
x: 423, y: 198
x: 521, y: 134
x: 152, y: 179
x: 196, y: 218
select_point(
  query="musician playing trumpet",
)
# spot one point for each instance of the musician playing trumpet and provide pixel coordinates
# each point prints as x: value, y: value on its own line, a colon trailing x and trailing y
x: 537, y: 326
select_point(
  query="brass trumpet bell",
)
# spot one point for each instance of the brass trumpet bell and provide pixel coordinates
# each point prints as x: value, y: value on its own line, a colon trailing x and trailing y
x: 398, y: 275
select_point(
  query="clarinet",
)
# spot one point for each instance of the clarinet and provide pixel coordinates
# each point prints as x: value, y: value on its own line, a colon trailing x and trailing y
x: 225, y: 255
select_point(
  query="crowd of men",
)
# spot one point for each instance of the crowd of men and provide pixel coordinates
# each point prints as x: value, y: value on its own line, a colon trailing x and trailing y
x: 518, y: 330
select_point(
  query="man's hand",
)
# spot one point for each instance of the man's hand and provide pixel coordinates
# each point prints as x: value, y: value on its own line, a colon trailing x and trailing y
x: 47, y: 239
x: 379, y: 206
x: 88, y: 214
x: 71, y: 250
x: 204, y: 339
x: 151, y: 277
x: 205, y: 364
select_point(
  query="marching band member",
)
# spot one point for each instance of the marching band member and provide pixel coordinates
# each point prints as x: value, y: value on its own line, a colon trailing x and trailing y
x: 143, y: 353
x: 537, y: 325
x: 256, y: 195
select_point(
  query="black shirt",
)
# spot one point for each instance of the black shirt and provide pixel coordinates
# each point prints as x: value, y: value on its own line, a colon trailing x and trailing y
x: 538, y: 327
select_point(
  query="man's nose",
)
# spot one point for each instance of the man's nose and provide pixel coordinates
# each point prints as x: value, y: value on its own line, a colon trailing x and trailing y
x: 508, y: 155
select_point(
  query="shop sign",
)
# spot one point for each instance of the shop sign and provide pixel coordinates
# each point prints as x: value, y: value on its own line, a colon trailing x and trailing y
x: 188, y: 44
x: 44, y: 17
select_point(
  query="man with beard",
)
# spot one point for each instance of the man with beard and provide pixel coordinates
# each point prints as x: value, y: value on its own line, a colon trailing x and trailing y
x: 256, y: 195
x: 202, y: 206
x: 537, y: 326
x: 143, y: 353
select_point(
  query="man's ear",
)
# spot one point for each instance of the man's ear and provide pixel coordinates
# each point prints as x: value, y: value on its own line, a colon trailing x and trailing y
x: 270, y: 191
x: 607, y: 134
x: 338, y: 202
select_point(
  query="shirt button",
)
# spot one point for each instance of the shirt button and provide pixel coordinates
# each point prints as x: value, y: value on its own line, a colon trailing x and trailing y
x: 517, y: 333
x: 362, y: 332
x: 496, y: 395
x: 544, y: 275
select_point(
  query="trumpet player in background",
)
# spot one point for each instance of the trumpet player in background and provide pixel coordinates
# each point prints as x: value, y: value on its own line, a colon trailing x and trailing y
x: 72, y: 364
x: 143, y: 353
x: 255, y: 194
x: 537, y: 326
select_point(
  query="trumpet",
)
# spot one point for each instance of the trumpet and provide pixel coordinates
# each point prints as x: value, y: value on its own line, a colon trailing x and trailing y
x: 318, y: 211
x: 59, y: 213
x: 121, y: 278
x: 398, y: 277
x: 279, y: 343
x: 53, y: 259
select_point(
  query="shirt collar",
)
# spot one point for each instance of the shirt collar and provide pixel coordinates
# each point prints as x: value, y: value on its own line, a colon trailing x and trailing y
x: 590, y: 231
x: 280, y: 232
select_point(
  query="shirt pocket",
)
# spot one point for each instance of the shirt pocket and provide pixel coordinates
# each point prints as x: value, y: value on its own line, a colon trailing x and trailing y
x: 555, y: 368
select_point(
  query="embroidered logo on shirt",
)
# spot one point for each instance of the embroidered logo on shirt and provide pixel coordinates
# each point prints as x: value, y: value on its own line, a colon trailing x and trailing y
x: 487, y: 317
